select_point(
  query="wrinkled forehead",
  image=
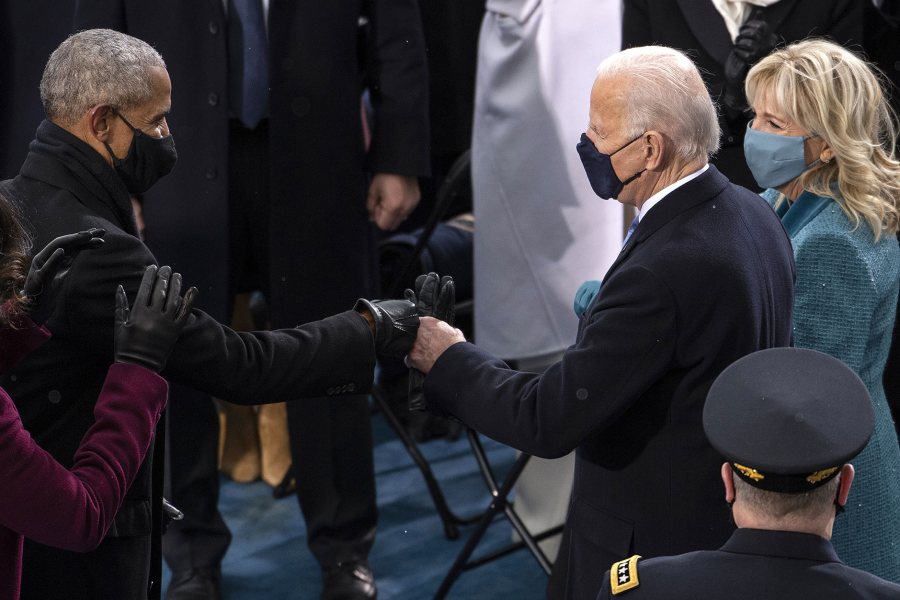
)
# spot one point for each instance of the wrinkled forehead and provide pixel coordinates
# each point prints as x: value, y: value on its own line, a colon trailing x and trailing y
x: 608, y: 100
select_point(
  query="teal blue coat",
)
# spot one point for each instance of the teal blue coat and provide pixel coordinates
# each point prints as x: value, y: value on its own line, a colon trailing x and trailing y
x: 845, y: 306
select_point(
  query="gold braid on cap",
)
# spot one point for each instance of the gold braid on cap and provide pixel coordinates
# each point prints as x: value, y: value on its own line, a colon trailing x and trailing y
x: 748, y: 472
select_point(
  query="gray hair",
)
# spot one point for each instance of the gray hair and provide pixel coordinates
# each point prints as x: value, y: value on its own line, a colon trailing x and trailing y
x: 97, y: 66
x: 804, y: 505
x: 664, y: 91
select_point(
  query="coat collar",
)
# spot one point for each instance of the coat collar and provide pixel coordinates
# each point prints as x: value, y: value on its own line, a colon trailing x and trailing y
x: 695, y: 192
x: 796, y: 215
x: 783, y: 544
x: 62, y: 160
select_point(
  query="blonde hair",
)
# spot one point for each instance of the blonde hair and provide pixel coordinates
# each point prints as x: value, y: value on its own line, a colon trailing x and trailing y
x: 829, y: 91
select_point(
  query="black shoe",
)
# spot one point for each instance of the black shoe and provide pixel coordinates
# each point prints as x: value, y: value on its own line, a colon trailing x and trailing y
x: 348, y: 581
x: 204, y: 583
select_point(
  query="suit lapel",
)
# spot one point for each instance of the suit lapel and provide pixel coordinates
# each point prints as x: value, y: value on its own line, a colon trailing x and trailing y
x: 702, y: 189
x: 708, y: 27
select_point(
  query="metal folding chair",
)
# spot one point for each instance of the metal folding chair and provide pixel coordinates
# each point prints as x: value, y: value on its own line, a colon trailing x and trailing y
x: 498, y: 490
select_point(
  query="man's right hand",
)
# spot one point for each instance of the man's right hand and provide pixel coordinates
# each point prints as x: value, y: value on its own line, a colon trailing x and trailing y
x: 146, y: 333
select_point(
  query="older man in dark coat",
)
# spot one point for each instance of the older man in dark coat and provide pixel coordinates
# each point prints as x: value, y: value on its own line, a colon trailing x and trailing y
x: 280, y: 205
x: 107, y: 95
x: 705, y: 277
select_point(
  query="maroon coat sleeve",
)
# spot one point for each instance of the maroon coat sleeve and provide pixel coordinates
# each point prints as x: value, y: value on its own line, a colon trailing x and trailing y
x: 73, y: 509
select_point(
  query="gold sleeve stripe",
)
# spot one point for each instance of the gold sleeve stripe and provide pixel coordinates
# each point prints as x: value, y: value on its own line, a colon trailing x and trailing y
x: 623, y: 575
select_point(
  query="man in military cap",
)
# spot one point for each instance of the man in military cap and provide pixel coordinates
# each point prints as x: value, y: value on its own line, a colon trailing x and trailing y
x: 787, y: 420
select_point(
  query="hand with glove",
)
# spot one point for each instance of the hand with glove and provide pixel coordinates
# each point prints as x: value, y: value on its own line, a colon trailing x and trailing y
x: 394, y: 324
x: 754, y: 41
x: 49, y: 268
x: 147, y: 332
x: 586, y: 293
x: 434, y: 297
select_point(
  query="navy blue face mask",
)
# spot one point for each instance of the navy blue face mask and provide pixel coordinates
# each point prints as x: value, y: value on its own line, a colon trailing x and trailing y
x: 599, y: 169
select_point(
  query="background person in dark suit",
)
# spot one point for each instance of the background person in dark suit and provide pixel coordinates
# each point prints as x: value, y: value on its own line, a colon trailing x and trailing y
x: 786, y: 420
x: 106, y: 95
x: 705, y: 278
x: 697, y: 27
x: 280, y: 204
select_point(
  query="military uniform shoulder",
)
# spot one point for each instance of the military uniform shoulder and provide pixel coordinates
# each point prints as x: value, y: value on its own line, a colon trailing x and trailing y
x: 623, y: 575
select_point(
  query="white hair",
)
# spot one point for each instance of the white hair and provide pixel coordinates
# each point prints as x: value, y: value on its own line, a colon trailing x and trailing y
x: 97, y: 66
x: 665, y: 92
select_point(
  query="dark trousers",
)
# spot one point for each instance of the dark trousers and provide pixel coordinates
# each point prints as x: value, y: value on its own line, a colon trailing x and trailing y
x: 202, y: 537
x: 331, y: 442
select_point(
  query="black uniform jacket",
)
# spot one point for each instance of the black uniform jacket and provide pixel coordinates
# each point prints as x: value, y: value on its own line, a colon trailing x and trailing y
x: 757, y: 565
x: 65, y: 186
x: 706, y: 278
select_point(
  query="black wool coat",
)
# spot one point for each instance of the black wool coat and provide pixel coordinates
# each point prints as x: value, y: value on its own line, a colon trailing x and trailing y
x: 706, y: 278
x: 66, y: 186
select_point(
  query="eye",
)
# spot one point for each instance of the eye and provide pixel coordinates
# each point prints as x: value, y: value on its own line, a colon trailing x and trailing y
x: 773, y: 124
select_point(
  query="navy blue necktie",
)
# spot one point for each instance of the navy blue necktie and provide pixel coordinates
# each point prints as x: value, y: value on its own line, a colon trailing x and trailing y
x: 248, y: 86
x: 631, y: 229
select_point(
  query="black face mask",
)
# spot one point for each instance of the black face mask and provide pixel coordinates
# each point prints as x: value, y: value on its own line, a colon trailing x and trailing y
x: 148, y: 159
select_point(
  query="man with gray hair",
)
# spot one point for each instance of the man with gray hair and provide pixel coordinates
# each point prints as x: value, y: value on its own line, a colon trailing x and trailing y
x: 106, y: 95
x: 705, y: 277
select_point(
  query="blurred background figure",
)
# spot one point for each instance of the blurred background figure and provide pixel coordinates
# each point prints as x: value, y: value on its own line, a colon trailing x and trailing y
x: 539, y: 229
x: 822, y: 142
x: 726, y: 37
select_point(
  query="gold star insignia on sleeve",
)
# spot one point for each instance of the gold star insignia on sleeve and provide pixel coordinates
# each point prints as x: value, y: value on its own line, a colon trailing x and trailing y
x: 623, y: 575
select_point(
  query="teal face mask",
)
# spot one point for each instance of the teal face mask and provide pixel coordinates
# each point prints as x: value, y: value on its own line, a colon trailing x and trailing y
x: 775, y: 159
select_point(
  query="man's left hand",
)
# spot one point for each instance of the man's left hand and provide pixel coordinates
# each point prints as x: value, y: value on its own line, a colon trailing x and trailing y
x: 391, y: 199
x: 433, y: 339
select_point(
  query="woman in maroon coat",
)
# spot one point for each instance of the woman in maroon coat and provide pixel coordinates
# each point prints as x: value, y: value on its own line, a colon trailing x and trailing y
x: 73, y: 508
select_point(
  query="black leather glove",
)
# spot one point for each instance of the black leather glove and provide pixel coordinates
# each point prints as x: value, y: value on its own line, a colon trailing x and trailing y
x: 49, y: 268
x: 396, y: 324
x: 754, y: 41
x: 434, y: 297
x: 146, y: 333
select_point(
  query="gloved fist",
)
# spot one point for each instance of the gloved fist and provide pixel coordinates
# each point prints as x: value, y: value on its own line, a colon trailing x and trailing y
x: 754, y: 41
x: 434, y: 297
x: 586, y: 293
x: 396, y: 323
x: 49, y: 268
x: 146, y: 333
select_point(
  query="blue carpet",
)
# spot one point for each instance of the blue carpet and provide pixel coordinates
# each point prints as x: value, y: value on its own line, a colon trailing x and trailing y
x: 268, y: 558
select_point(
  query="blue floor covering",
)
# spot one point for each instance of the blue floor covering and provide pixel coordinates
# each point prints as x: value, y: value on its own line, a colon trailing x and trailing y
x: 268, y: 558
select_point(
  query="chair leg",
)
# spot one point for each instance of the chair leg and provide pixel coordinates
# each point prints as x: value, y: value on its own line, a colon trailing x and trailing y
x: 448, y: 518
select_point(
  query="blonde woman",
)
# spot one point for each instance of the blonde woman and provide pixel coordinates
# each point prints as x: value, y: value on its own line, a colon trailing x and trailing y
x: 822, y: 142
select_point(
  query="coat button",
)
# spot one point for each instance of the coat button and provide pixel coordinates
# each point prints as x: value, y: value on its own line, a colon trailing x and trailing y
x: 213, y: 27
x: 213, y: 99
x: 300, y: 106
x: 212, y: 173
x: 351, y: 388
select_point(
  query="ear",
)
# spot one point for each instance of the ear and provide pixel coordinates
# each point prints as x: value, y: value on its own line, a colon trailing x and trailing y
x: 653, y: 144
x: 100, y: 122
x: 847, y: 473
x: 827, y: 154
x: 727, y: 479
